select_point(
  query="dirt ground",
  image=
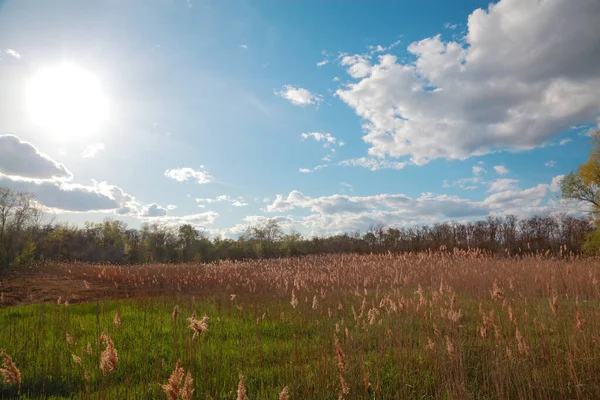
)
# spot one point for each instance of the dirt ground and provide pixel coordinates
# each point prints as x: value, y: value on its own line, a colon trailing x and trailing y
x: 49, y: 283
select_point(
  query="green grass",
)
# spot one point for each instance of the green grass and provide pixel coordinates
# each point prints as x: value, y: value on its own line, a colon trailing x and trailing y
x: 272, y: 350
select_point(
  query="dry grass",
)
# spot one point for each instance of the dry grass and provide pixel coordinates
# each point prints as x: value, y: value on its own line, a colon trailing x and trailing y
x: 433, y: 324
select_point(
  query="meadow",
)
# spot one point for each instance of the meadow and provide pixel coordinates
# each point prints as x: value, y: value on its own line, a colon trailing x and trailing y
x: 429, y: 325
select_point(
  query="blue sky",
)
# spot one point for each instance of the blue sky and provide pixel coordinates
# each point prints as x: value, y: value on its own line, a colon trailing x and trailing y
x: 328, y: 115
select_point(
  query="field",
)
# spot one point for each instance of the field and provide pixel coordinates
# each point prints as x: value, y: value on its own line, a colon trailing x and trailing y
x: 430, y: 325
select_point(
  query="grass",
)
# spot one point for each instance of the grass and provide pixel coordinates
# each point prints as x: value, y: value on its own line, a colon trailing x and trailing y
x: 431, y: 325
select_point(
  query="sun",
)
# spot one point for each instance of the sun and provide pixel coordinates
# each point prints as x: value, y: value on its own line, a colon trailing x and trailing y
x: 66, y: 101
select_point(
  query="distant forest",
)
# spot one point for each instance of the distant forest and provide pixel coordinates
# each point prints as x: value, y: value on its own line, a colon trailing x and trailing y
x: 24, y: 239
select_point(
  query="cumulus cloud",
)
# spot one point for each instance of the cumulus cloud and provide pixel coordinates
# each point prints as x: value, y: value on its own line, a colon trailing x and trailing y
x: 550, y: 163
x: 92, y: 149
x: 358, y: 65
x: 63, y: 196
x: 309, y: 170
x: 324, y: 137
x: 299, y: 96
x: 464, y: 183
x: 343, y: 213
x: 198, y: 221
x: 373, y: 164
x: 526, y: 71
x: 478, y: 170
x: 501, y: 169
x: 503, y: 184
x: 426, y: 204
x: 153, y: 210
x: 21, y: 160
x: 24, y: 168
x: 236, y: 202
x: 184, y: 174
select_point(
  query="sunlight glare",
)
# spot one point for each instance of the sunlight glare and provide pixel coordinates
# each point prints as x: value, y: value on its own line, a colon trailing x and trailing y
x: 66, y: 101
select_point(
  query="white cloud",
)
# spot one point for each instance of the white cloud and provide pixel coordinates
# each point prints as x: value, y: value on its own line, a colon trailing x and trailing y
x: 62, y: 196
x: 501, y: 169
x: 322, y: 63
x: 13, y: 53
x: 92, y: 149
x: 343, y: 213
x: 426, y: 204
x: 24, y: 168
x: 565, y: 141
x: 184, y: 174
x: 373, y: 164
x: 299, y: 96
x: 324, y: 137
x: 309, y: 170
x: 491, y: 92
x: 153, y: 210
x: 236, y: 202
x: 464, y: 183
x: 21, y: 160
x: 500, y: 185
x: 198, y: 221
x: 478, y: 170
x: 450, y: 26
x: 358, y: 65
x: 550, y: 163
x: 243, y: 47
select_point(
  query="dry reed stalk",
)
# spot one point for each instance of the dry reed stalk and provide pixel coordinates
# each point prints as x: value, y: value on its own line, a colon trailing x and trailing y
x: 9, y: 370
x: 579, y: 321
x: 117, y: 320
x: 521, y: 345
x: 175, y: 312
x: 241, y: 389
x: 554, y: 303
x: 345, y: 389
x: 450, y: 347
x: 76, y: 358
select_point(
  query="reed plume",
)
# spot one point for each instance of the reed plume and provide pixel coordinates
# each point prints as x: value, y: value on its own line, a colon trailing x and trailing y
x: 285, y: 394
x: 117, y: 320
x: 198, y: 326
x: 9, y: 369
x: 109, y: 357
x: 173, y: 387
x: 241, y: 389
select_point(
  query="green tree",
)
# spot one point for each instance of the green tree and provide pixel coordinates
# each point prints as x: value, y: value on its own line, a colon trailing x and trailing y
x: 583, y: 185
x: 188, y: 241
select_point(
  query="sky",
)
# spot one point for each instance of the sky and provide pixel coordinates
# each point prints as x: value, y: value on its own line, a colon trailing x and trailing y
x: 330, y: 116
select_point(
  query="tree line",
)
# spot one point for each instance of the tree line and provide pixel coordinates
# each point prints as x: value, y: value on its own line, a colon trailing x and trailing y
x: 26, y: 239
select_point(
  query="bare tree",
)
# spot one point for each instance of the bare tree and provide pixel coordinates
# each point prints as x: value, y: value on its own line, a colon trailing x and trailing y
x: 18, y: 216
